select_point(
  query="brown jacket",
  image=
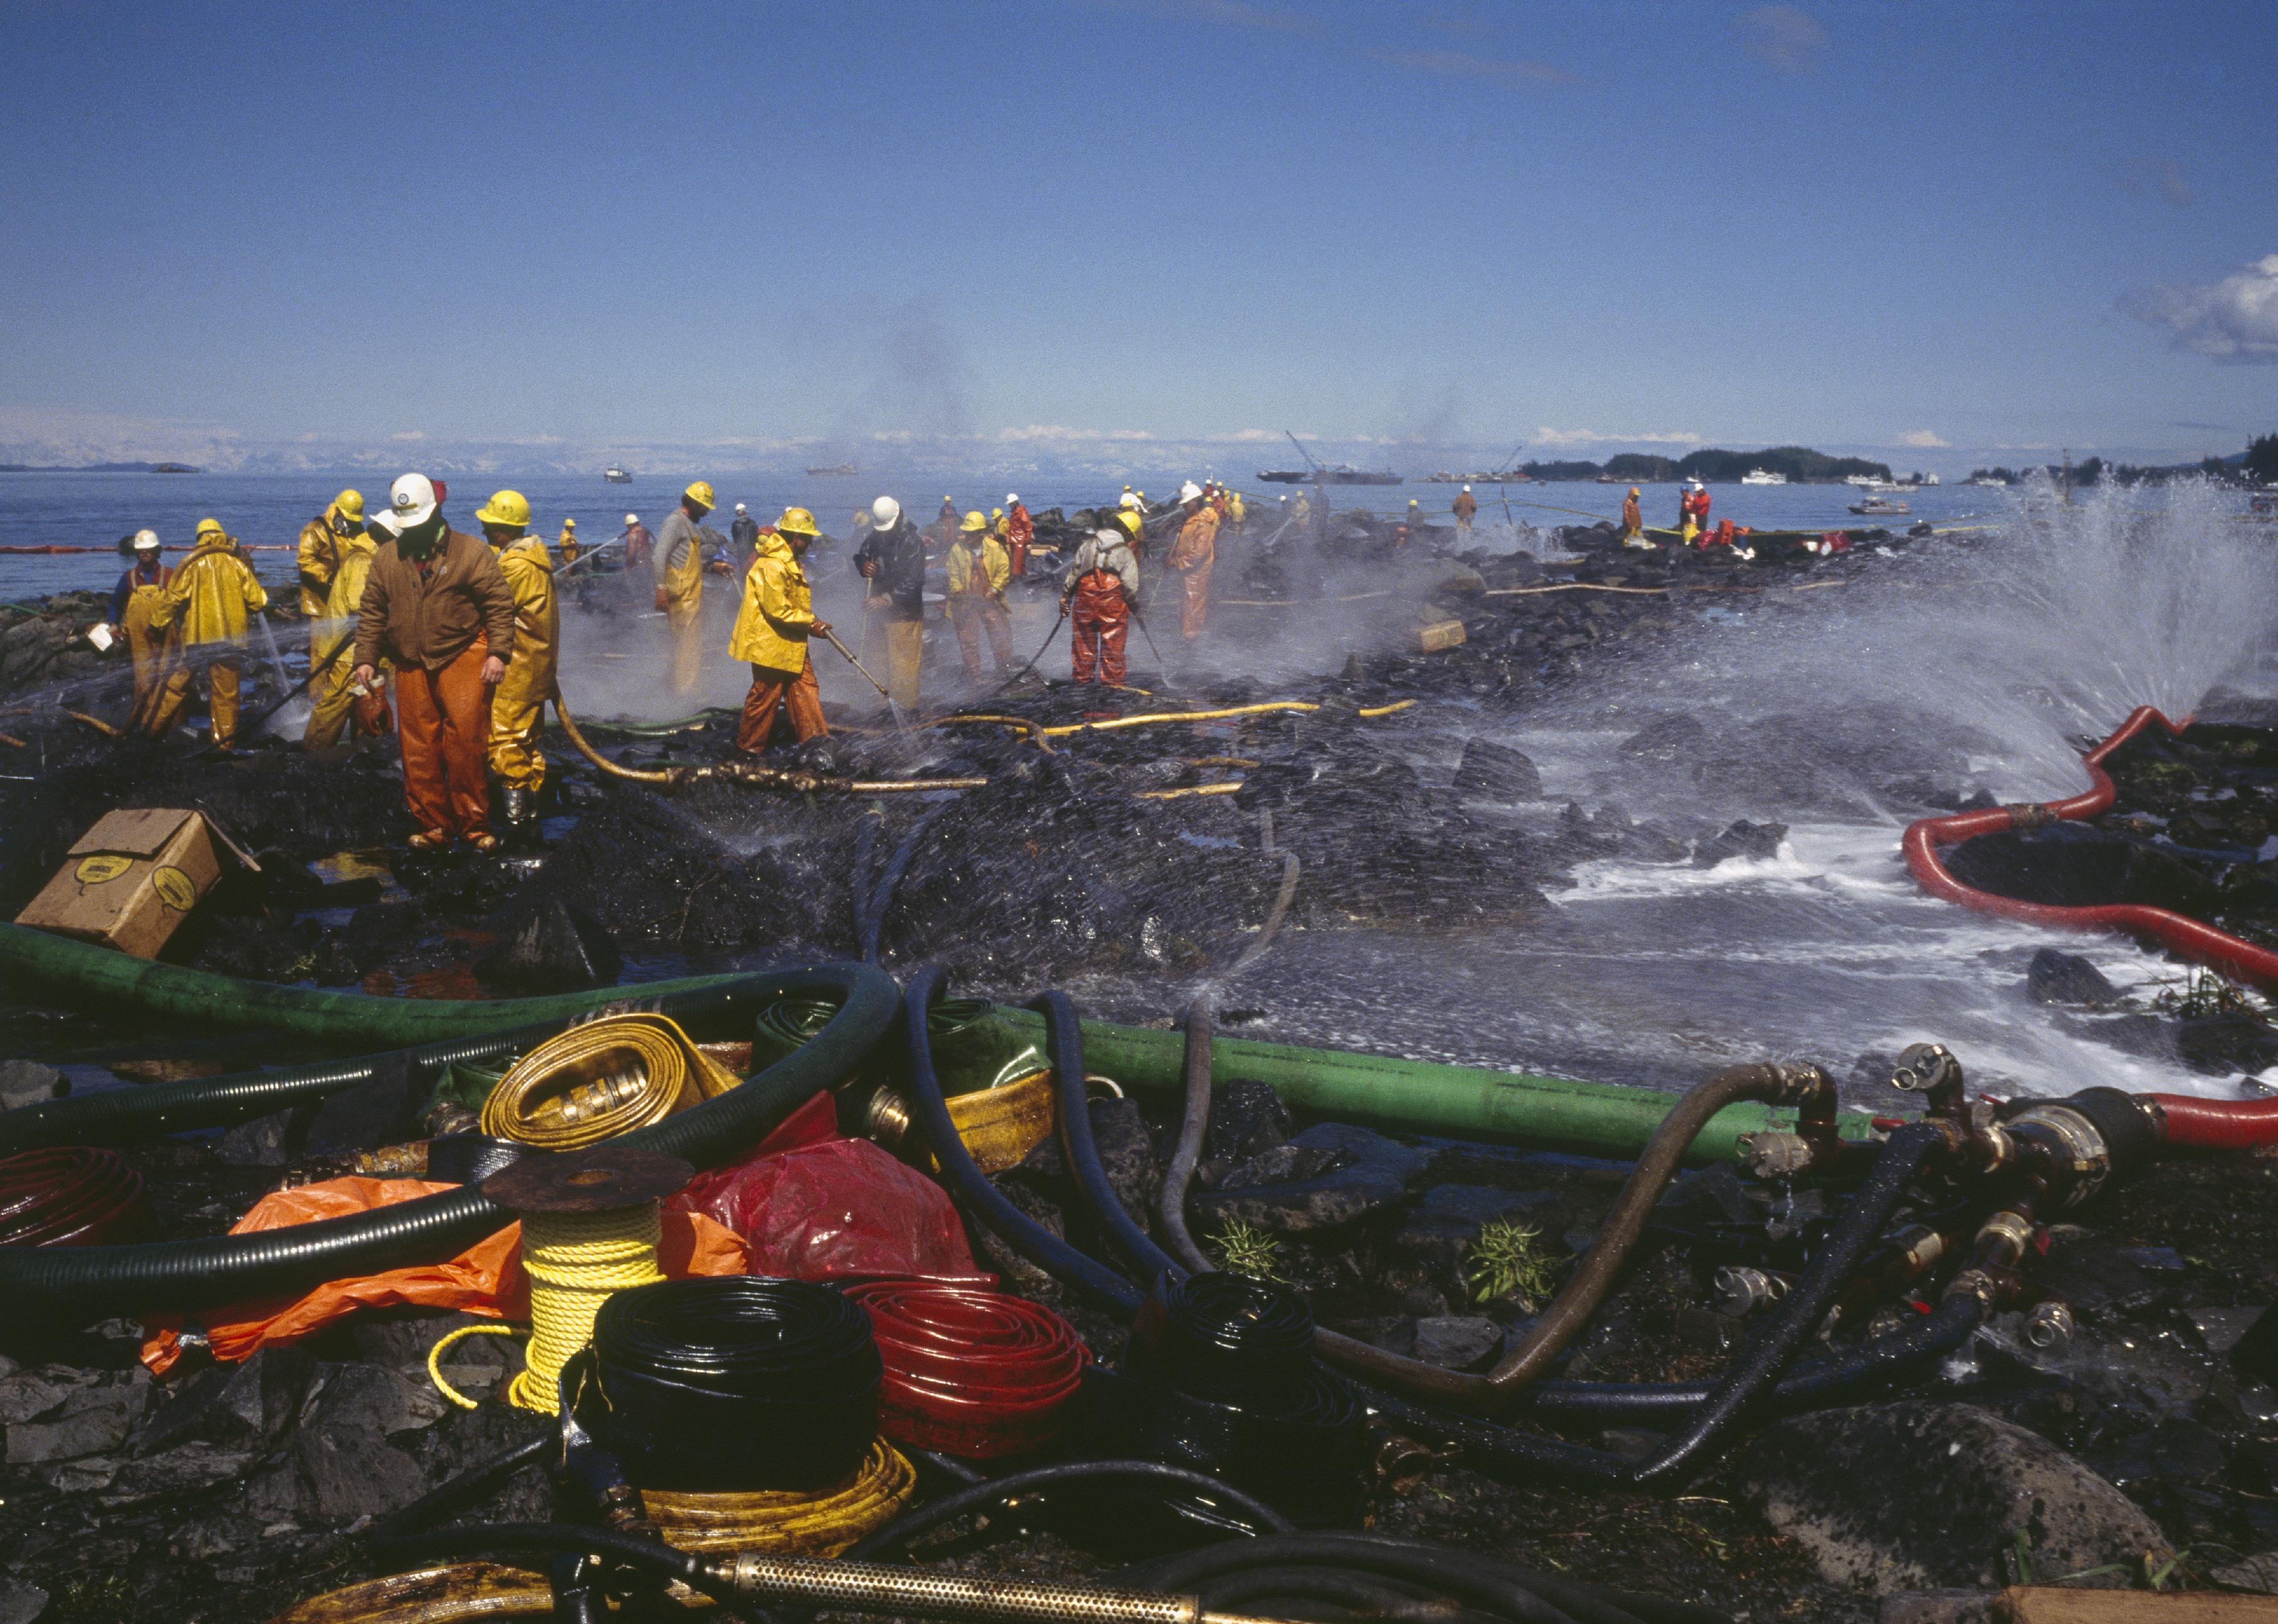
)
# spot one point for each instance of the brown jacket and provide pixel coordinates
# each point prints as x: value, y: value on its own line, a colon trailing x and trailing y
x: 430, y: 623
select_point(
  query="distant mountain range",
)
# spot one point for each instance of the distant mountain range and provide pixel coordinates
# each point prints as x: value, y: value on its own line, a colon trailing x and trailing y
x: 98, y: 468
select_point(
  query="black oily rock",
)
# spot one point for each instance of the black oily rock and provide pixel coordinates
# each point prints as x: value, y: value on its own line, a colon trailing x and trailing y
x: 2073, y: 865
x: 2058, y: 977
x: 1673, y: 740
x: 1328, y: 1176
x: 1498, y: 772
x: 1247, y: 1118
x: 2224, y: 1044
x: 1744, y: 840
x: 1439, y: 1231
x: 549, y: 945
x: 252, y: 1404
x: 1916, y: 1495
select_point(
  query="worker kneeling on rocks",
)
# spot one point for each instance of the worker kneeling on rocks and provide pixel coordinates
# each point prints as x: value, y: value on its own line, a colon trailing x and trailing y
x: 212, y: 592
x: 979, y: 568
x: 519, y: 707
x: 333, y: 639
x: 771, y: 632
x: 680, y: 583
x: 1096, y: 592
x: 438, y: 606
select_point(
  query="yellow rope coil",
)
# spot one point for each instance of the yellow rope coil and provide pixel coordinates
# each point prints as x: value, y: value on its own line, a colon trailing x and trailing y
x: 787, y: 1524
x: 575, y: 1260
x: 596, y: 1081
x: 452, y: 1340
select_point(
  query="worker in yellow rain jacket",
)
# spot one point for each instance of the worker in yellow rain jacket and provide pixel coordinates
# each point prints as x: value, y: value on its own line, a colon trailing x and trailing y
x: 323, y: 541
x: 678, y: 563
x: 771, y: 632
x: 979, y: 568
x: 212, y: 592
x: 333, y: 639
x: 1235, y: 513
x: 519, y: 707
x: 568, y: 546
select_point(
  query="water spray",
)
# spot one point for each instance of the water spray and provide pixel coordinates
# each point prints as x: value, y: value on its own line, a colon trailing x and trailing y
x: 901, y: 722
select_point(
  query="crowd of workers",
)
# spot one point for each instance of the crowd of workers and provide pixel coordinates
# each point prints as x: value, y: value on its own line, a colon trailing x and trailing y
x: 465, y: 631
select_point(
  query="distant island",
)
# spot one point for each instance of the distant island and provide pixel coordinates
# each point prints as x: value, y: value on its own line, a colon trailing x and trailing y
x: 99, y: 468
x: 1800, y: 464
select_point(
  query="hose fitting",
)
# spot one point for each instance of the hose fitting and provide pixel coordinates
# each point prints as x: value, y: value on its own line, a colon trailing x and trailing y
x: 2049, y: 1328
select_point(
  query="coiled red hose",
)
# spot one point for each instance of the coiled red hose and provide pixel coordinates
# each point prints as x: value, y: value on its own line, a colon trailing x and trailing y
x: 970, y: 1373
x: 2203, y: 943
x: 76, y: 1197
x: 2193, y: 1124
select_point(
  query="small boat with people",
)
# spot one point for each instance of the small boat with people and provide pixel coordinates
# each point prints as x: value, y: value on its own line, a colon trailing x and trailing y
x: 616, y: 476
x: 1762, y: 476
x: 1879, y: 504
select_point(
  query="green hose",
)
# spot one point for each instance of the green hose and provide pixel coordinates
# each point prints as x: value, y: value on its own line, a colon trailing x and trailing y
x: 1461, y: 1101
x: 81, y: 975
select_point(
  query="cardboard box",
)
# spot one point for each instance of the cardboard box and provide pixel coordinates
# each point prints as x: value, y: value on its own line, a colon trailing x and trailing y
x: 133, y: 878
x: 1436, y: 635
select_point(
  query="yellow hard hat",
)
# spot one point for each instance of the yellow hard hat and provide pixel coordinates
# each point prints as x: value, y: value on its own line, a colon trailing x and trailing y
x: 797, y: 521
x: 349, y: 506
x: 505, y: 508
x: 1633, y: 490
x: 569, y: 524
x: 1130, y: 519
x: 995, y: 513
x: 973, y: 521
x: 700, y: 494
x: 211, y: 526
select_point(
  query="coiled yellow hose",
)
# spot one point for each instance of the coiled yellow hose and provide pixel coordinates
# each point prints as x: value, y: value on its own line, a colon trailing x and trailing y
x: 789, y: 1524
x: 596, y: 1081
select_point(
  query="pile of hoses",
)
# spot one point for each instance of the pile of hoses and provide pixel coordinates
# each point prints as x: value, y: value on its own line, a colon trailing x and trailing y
x: 70, y: 1198
x: 601, y: 1079
x: 799, y: 1523
x: 974, y: 1374
x: 90, y: 1283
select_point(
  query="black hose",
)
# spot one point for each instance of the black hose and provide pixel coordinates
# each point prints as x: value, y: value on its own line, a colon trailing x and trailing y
x: 1063, y: 1042
x: 885, y: 1544
x: 882, y: 898
x: 92, y: 1283
x: 1525, y: 1456
x: 734, y: 1383
x: 858, y: 880
x: 1021, y: 1232
x: 1236, y: 1571
x: 462, y: 1490
x: 1943, y: 1329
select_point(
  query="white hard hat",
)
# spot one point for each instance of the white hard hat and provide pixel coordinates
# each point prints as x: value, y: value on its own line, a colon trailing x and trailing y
x: 146, y: 538
x: 632, y: 519
x: 1009, y: 498
x: 1190, y: 492
x: 885, y: 513
x: 411, y: 501
x: 740, y: 507
x: 1467, y: 487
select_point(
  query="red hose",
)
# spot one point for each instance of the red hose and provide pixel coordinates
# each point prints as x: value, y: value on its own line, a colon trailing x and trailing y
x: 2193, y: 1124
x: 971, y: 1373
x: 70, y: 1198
x: 2203, y: 943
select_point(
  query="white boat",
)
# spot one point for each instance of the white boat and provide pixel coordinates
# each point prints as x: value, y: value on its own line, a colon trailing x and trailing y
x: 616, y: 476
x: 1762, y: 476
x: 1866, y: 481
x: 1880, y: 505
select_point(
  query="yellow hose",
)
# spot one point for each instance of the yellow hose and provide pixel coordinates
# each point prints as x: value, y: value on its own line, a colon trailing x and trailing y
x: 452, y: 1340
x: 786, y: 1524
x: 596, y: 1081
x: 1260, y: 709
x: 1181, y: 793
x: 574, y: 1260
x: 432, y: 1596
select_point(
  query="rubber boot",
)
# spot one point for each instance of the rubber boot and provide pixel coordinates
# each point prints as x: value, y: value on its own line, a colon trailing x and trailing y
x: 521, y: 818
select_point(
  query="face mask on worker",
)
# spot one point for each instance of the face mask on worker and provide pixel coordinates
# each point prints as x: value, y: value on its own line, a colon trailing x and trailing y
x: 342, y: 525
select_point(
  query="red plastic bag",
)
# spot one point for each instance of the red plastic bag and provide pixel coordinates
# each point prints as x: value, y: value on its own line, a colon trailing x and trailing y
x: 813, y: 1206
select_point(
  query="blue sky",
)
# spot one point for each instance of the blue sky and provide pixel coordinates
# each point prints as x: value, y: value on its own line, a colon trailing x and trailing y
x: 552, y: 230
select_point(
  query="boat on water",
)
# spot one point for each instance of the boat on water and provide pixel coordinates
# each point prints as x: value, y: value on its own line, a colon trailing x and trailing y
x: 1762, y: 476
x: 1343, y: 474
x: 1881, y: 505
x: 1493, y: 476
x: 616, y: 476
x: 837, y: 470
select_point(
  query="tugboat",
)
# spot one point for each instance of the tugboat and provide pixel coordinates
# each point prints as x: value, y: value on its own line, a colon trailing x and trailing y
x: 840, y: 471
x: 616, y: 476
x: 1343, y: 474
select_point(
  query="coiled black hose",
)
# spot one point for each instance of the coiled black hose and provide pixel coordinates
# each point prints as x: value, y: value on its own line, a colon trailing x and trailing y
x: 92, y: 1283
x: 1026, y: 1236
x: 1372, y: 1574
x: 733, y: 1384
x: 1063, y: 1042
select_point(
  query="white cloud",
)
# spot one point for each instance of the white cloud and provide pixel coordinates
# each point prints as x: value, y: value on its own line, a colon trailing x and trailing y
x: 1923, y: 439
x: 1562, y: 438
x: 1788, y: 40
x: 2234, y: 320
x: 410, y: 436
x: 1463, y: 64
x: 1054, y: 431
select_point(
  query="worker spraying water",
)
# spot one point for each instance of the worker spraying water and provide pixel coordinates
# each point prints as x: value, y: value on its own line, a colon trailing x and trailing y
x: 1097, y: 592
x: 771, y: 635
x: 323, y: 541
x: 209, y: 597
x: 518, y: 706
x: 892, y: 560
x: 679, y: 564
